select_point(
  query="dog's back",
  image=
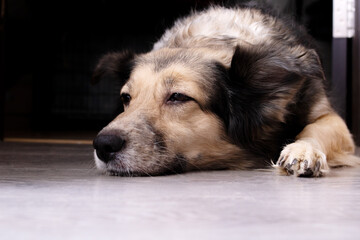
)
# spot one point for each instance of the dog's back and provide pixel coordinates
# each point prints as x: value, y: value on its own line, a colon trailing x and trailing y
x: 222, y: 29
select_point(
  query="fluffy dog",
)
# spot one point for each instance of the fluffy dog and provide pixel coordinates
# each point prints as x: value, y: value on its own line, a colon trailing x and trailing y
x: 224, y: 88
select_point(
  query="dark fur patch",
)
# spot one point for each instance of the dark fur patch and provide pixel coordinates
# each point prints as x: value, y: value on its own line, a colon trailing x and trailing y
x: 179, y: 165
x: 255, y: 84
x: 219, y: 100
x: 114, y: 65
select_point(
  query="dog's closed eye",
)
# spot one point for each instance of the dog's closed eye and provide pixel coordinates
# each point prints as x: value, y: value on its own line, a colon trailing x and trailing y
x: 178, y: 98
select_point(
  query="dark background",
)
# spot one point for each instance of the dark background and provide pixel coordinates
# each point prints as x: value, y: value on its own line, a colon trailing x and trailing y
x: 49, y: 49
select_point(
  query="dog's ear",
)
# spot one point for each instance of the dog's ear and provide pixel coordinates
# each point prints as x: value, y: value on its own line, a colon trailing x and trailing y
x: 114, y: 65
x: 261, y: 83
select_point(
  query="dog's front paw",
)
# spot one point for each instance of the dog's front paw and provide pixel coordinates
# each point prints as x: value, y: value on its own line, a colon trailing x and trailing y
x: 302, y: 159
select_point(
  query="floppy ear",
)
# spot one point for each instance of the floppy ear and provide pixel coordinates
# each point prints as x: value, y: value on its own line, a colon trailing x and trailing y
x: 114, y: 65
x: 261, y: 85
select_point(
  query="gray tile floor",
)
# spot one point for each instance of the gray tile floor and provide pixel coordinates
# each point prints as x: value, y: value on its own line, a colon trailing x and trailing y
x: 53, y: 192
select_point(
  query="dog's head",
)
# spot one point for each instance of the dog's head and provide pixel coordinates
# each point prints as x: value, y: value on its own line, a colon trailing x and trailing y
x: 181, y: 111
x: 172, y: 100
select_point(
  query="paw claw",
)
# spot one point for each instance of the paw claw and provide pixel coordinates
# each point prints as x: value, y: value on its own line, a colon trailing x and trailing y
x: 290, y: 171
x: 317, y: 166
x: 306, y: 164
x: 281, y: 161
x: 288, y: 166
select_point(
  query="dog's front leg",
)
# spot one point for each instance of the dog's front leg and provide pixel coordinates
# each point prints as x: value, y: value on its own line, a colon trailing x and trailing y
x: 324, y: 143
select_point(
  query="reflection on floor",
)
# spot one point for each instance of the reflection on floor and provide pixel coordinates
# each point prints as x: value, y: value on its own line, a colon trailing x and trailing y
x: 54, y: 192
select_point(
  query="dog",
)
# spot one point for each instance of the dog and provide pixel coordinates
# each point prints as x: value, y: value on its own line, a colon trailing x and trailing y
x: 224, y: 88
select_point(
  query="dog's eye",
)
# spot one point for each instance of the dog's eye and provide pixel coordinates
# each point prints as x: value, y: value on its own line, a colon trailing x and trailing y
x: 125, y: 98
x: 178, y: 98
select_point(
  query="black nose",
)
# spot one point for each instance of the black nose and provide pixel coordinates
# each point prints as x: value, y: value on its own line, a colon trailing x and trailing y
x: 107, y: 145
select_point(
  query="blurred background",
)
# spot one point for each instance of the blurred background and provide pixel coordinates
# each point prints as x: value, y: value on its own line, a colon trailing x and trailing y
x: 48, y: 51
